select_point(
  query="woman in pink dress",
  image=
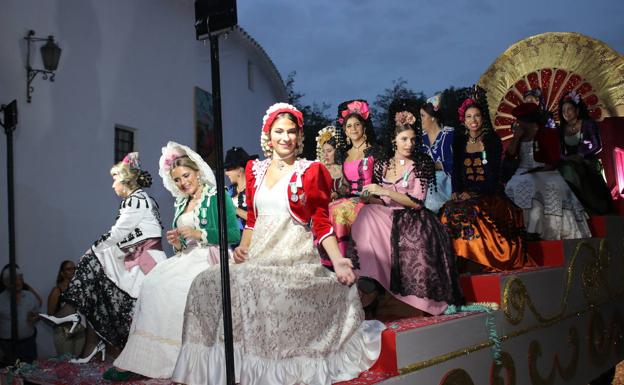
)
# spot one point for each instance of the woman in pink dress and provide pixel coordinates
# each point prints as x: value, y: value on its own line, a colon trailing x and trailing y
x: 398, y: 242
x: 355, y: 154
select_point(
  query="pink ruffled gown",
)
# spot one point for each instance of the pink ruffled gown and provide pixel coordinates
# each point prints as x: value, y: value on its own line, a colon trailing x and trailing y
x: 406, y: 250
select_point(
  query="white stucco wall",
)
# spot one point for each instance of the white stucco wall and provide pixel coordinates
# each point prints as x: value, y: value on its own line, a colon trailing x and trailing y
x: 133, y: 63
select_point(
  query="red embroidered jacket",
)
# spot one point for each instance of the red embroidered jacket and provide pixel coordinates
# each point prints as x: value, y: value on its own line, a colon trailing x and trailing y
x: 313, y: 189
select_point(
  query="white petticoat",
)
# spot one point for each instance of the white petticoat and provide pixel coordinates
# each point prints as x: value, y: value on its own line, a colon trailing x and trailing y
x: 156, y: 332
x: 550, y: 207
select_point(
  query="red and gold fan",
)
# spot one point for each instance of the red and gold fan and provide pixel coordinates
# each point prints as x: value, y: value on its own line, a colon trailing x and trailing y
x: 557, y: 63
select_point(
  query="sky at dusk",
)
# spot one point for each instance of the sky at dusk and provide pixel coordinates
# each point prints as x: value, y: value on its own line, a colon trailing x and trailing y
x: 345, y: 49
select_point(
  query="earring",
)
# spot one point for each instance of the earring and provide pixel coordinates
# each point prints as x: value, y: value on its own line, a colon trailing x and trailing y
x: 394, y: 147
x: 348, y: 141
x: 365, y: 138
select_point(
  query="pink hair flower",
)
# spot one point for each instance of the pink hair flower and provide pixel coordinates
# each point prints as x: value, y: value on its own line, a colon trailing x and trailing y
x: 355, y: 107
x: 462, y: 109
x: 404, y: 117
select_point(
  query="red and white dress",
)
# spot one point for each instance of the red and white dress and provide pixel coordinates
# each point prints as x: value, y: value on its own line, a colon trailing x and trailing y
x: 293, y: 322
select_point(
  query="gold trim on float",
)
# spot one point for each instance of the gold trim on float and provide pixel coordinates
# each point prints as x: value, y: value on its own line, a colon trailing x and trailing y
x: 516, y: 297
x: 594, y: 282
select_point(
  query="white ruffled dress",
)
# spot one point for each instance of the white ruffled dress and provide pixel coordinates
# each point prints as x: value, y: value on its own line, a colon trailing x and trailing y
x: 293, y: 322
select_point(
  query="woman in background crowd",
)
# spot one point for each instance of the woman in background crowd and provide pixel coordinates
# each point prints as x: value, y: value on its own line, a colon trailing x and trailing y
x: 580, y: 145
x: 438, y: 143
x: 326, y: 144
x: 64, y: 341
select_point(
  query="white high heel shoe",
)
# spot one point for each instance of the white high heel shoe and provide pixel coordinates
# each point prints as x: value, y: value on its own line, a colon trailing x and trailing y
x: 100, y: 347
x: 73, y: 318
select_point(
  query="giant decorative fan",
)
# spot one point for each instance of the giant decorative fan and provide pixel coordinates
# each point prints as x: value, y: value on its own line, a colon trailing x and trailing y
x: 556, y: 62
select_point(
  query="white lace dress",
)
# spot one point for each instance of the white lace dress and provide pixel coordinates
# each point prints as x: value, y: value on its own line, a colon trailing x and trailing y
x: 550, y: 207
x: 293, y: 322
x: 156, y: 332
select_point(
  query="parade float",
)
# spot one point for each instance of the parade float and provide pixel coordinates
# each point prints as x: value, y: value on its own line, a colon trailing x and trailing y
x: 559, y: 323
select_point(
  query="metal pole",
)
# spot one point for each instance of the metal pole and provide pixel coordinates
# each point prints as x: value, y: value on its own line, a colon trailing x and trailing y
x: 8, y: 130
x: 224, y: 257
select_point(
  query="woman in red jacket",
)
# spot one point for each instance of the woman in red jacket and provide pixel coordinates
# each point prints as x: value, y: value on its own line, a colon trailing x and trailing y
x: 295, y: 321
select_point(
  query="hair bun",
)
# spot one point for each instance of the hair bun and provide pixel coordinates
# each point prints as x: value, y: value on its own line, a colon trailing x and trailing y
x: 144, y: 179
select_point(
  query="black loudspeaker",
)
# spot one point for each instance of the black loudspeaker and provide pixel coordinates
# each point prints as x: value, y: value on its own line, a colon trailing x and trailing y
x: 213, y: 16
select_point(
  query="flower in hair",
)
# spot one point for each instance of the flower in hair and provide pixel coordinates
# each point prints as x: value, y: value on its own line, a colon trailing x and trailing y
x: 573, y: 97
x: 170, y: 158
x: 462, y: 109
x: 435, y: 102
x: 404, y: 117
x: 355, y: 107
x: 132, y: 160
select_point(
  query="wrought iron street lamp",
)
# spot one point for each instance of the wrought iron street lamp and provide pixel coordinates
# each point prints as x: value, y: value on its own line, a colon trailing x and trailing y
x: 50, y: 55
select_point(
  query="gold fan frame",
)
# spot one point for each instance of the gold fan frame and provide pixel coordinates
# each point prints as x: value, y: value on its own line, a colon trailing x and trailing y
x: 587, y: 57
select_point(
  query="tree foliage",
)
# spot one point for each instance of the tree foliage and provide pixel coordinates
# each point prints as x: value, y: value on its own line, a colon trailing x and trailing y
x: 398, y: 90
x: 316, y: 115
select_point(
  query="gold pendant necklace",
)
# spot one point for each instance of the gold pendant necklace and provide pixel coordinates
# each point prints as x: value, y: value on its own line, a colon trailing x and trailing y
x: 280, y: 161
x: 476, y: 138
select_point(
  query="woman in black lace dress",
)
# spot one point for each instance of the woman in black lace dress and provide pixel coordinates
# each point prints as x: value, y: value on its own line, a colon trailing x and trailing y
x: 398, y: 242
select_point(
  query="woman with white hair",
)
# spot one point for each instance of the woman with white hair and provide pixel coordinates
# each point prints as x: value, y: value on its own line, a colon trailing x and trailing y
x: 156, y: 332
x: 110, y: 274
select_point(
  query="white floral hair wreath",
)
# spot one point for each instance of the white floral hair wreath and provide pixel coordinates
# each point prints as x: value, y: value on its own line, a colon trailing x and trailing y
x: 171, y: 152
x: 325, y: 134
x: 267, y: 121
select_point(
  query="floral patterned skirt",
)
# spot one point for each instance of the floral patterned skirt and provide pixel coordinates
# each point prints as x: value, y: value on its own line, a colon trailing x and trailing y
x: 107, y: 307
x: 488, y: 230
x: 342, y: 214
x: 293, y: 322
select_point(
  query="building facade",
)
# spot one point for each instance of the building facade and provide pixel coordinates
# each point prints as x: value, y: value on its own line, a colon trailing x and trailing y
x: 126, y: 65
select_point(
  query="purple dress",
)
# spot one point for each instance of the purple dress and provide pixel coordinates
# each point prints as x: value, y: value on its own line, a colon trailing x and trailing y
x: 406, y: 250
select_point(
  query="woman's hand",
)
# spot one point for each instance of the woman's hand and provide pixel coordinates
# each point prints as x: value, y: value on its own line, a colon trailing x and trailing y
x: 463, y: 196
x: 173, y: 237
x: 344, y: 271
x: 31, y: 318
x: 374, y: 189
x: 241, y: 213
x: 189, y: 233
x: 240, y: 254
x: 454, y: 196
